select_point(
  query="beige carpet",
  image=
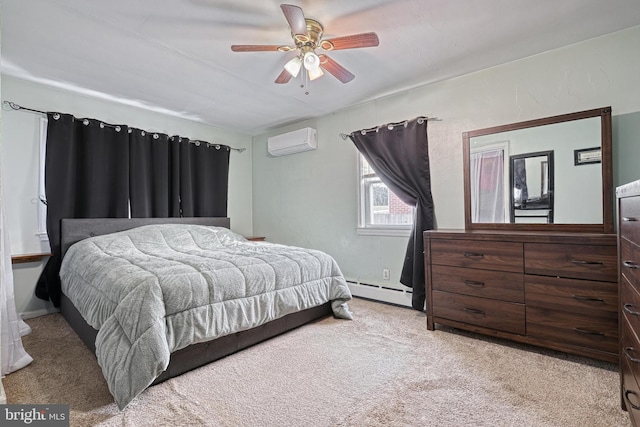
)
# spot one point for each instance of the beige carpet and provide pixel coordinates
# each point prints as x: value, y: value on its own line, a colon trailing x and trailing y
x: 382, y: 369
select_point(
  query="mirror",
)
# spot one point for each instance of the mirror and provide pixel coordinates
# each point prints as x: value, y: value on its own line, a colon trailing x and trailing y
x: 564, y: 163
x: 531, y: 186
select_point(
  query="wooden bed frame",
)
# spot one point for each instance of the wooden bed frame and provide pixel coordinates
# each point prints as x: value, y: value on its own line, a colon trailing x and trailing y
x: 193, y: 356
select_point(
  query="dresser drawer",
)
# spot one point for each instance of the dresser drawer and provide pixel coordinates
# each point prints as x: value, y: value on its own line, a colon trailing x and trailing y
x: 599, y: 333
x: 630, y: 372
x: 630, y: 303
x: 630, y: 348
x: 501, y: 256
x: 629, y: 223
x: 498, y: 285
x: 499, y: 315
x: 630, y: 392
x: 572, y: 295
x: 630, y: 262
x: 592, y: 262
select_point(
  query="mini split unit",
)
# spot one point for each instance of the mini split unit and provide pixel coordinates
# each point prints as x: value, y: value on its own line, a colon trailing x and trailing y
x: 293, y: 142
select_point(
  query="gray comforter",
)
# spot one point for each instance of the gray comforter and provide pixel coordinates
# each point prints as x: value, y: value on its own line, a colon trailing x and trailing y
x: 156, y: 289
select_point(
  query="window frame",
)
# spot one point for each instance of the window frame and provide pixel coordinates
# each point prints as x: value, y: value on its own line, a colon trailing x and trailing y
x: 364, y: 228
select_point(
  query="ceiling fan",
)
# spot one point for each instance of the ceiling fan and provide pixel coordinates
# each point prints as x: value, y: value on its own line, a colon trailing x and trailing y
x: 307, y: 37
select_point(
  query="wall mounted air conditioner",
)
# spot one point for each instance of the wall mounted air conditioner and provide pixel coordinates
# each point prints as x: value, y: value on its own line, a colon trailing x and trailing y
x: 293, y: 142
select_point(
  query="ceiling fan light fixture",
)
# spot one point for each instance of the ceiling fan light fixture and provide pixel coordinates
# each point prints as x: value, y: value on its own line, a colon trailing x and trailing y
x: 311, y: 61
x: 307, y: 37
x: 293, y: 66
x: 314, y: 73
x: 326, y: 45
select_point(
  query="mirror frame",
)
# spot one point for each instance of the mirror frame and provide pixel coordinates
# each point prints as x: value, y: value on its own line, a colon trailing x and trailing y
x: 607, y: 225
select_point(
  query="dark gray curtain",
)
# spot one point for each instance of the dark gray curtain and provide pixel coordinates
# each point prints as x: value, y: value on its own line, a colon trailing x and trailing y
x: 97, y: 170
x: 204, y: 178
x: 86, y: 176
x: 154, y: 175
x: 399, y: 154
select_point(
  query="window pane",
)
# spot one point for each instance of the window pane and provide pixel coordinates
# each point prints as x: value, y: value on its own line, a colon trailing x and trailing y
x: 379, y: 205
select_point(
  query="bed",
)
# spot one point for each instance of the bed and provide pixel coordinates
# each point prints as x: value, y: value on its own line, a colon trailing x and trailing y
x: 154, y: 298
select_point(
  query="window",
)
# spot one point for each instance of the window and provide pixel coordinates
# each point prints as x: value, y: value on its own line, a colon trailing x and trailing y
x: 380, y: 211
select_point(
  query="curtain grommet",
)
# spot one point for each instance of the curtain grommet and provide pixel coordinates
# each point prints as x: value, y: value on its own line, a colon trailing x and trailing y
x: 143, y: 133
x: 56, y: 116
x: 85, y: 122
x: 197, y: 143
x: 156, y: 136
x: 118, y: 128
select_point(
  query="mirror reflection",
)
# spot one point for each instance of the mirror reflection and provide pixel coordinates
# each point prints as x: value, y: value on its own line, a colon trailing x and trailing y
x: 531, y: 185
x: 571, y: 192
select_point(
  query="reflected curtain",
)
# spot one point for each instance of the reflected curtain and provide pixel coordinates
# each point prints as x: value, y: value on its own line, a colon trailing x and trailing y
x: 86, y: 176
x: 487, y: 193
x: 520, y: 179
x: 399, y: 155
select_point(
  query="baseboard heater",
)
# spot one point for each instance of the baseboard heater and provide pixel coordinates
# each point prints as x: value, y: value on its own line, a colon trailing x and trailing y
x: 381, y: 293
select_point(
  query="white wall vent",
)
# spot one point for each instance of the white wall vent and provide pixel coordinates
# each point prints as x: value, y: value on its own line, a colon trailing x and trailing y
x: 293, y: 142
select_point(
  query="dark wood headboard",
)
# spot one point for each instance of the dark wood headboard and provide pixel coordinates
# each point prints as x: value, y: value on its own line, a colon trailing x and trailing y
x: 73, y: 230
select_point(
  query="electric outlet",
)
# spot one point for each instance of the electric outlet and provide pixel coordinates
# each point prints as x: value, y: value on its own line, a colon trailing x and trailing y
x: 385, y: 274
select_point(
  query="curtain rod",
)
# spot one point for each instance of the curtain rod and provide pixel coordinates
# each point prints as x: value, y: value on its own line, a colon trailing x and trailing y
x: 12, y: 106
x: 344, y: 136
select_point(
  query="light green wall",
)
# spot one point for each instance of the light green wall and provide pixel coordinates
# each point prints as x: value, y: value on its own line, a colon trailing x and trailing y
x: 309, y: 198
x: 626, y: 147
x: 19, y: 162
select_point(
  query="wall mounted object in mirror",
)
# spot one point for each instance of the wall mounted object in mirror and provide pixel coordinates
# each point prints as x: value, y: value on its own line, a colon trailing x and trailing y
x: 531, y: 187
x: 577, y: 178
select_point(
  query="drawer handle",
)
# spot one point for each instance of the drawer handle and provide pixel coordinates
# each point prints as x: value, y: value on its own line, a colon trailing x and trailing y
x: 630, y: 264
x: 473, y: 255
x: 626, y: 395
x: 474, y: 284
x: 584, y: 331
x: 627, y: 308
x: 583, y: 298
x: 630, y: 357
x: 474, y: 311
x: 584, y: 262
x: 629, y: 219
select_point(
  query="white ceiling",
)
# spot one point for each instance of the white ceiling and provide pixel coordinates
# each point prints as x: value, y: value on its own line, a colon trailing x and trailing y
x: 174, y: 55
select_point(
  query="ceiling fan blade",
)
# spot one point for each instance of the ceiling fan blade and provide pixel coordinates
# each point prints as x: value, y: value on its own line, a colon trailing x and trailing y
x: 284, y: 77
x: 351, y: 42
x: 335, y: 69
x: 256, y: 48
x: 295, y: 18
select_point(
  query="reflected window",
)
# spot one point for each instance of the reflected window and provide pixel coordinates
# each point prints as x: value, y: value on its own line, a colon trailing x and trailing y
x: 487, y: 193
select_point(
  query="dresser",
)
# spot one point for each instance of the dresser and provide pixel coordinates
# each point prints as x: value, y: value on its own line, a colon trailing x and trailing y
x: 550, y: 289
x: 628, y: 197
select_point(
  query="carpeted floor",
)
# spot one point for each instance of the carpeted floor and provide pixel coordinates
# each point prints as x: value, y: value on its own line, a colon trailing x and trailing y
x: 382, y: 369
